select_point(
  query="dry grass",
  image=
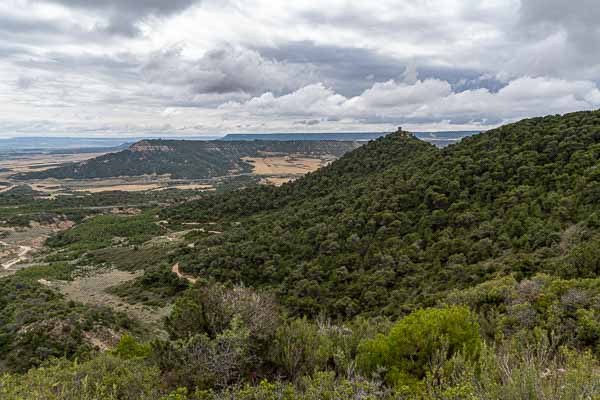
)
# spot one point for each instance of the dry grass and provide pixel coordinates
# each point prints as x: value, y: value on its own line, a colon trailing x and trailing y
x: 123, y: 188
x: 284, y: 165
x: 189, y: 186
x: 275, y: 181
x: 92, y: 290
x: 41, y: 162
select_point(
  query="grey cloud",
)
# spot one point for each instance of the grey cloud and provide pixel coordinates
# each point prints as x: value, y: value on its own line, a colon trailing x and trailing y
x: 25, y: 82
x: 26, y: 31
x: 225, y: 70
x: 424, y: 28
x: 350, y: 70
x: 559, y: 38
x: 164, y: 78
x: 140, y: 7
x: 123, y: 66
x: 123, y: 15
x: 308, y: 122
x: 580, y: 19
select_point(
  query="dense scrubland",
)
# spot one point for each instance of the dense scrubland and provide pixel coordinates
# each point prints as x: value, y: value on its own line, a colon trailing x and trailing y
x: 400, y: 271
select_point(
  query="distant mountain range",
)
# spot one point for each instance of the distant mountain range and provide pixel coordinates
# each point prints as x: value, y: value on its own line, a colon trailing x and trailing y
x: 189, y: 159
x: 440, y: 139
x: 75, y: 144
x: 201, y: 159
x: 70, y: 144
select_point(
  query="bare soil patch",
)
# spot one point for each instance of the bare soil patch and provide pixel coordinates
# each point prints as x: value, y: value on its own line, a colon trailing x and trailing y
x: 275, y: 181
x: 41, y: 162
x: 175, y: 269
x: 92, y: 290
x: 123, y: 188
x: 192, y: 186
x: 20, y: 245
x: 288, y: 165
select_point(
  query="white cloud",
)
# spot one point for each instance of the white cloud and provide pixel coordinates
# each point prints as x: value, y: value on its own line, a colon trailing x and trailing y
x: 208, y: 66
x: 429, y: 101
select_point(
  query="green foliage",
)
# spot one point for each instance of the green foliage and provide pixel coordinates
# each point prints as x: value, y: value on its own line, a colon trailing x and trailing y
x: 157, y: 287
x: 128, y: 348
x: 534, y: 371
x: 396, y: 224
x: 203, y: 362
x: 212, y: 309
x: 102, y: 378
x: 413, y: 342
x: 565, y: 308
x: 134, y: 258
x: 221, y: 334
x: 323, y: 386
x: 500, y: 233
x: 301, y: 349
x: 36, y: 324
x: 104, y: 230
x: 54, y: 271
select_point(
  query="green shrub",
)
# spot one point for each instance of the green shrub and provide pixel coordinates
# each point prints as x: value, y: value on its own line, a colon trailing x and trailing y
x: 103, y: 378
x: 513, y: 370
x: 128, y: 348
x: 407, y: 351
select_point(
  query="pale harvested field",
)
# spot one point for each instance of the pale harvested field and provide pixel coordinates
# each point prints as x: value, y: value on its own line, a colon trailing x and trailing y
x: 45, y: 187
x: 123, y: 188
x: 275, y: 181
x: 189, y: 186
x: 41, y: 162
x: 193, y: 186
x: 284, y: 165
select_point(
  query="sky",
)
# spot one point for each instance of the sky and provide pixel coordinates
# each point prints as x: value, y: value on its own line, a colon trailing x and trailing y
x: 206, y: 67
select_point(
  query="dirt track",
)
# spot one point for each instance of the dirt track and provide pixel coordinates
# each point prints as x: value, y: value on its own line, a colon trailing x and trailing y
x: 176, y: 271
x: 24, y: 250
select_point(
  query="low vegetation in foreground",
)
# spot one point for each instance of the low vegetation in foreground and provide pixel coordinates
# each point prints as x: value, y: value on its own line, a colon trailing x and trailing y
x: 400, y: 271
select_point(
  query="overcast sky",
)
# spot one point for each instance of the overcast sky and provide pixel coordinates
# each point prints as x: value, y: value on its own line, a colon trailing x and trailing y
x: 160, y: 67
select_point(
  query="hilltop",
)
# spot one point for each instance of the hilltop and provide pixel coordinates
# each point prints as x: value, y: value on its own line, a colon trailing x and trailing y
x: 397, y: 223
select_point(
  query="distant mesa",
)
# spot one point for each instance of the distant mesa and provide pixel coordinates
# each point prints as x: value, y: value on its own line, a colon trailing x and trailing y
x: 147, y: 146
x: 192, y: 159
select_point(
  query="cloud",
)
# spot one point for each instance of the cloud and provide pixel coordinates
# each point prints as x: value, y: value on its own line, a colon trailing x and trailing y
x: 25, y: 82
x: 122, y: 16
x: 224, y: 70
x: 429, y: 101
x: 556, y: 38
x: 205, y: 66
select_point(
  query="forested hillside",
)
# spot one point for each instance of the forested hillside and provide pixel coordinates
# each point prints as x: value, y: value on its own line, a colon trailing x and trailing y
x: 400, y: 271
x: 396, y: 224
x: 187, y: 159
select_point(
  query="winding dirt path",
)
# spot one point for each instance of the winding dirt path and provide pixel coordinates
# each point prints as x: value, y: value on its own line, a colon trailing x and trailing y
x: 176, y: 271
x: 24, y: 250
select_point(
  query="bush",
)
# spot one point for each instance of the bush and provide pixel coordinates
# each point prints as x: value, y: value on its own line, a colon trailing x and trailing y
x: 300, y: 348
x: 407, y: 351
x: 128, y: 348
x: 203, y: 362
x: 516, y: 371
x: 212, y: 308
x: 103, y: 378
